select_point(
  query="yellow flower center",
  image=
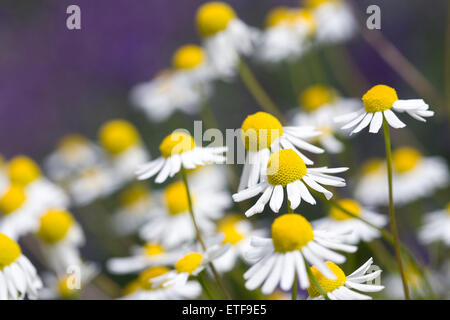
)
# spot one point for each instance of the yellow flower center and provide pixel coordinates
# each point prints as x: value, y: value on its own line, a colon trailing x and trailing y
x: 284, y: 167
x: 260, y: 130
x: 189, y: 263
x: 153, y: 249
x: 176, y: 198
x: 188, y: 57
x: 405, y: 159
x: 277, y: 16
x: 317, y: 96
x: 372, y: 166
x: 213, y: 17
x: 71, y: 145
x: 305, y: 16
x: 327, y: 284
x: 134, y: 194
x: 317, y: 3
x: 23, y: 170
x: 116, y: 136
x: 131, y: 288
x: 228, y: 226
x: 291, y: 232
x: 12, y: 199
x: 379, y: 98
x: 9, y: 251
x: 55, y: 225
x: 349, y: 205
x: 176, y: 143
x: 66, y: 289
x: 146, y: 276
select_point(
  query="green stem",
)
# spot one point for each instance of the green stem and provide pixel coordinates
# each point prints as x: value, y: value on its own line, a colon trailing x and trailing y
x: 255, y: 88
x: 199, y: 235
x: 315, y: 283
x: 387, y: 140
x: 205, y: 288
x: 294, y: 288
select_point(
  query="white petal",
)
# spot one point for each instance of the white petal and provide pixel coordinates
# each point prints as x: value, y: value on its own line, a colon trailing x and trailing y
x: 277, y: 198
x: 364, y: 123
x: 393, y: 120
x: 376, y: 123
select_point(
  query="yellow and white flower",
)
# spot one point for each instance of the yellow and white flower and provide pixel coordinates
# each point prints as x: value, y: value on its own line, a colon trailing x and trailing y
x: 437, y: 227
x: 18, y: 277
x: 179, y: 150
x: 286, y: 169
x: 322, y: 105
x: 262, y: 134
x: 287, y: 35
x: 294, y: 242
x: 170, y: 221
x: 338, y: 221
x: 225, y: 36
x: 379, y: 102
x: 343, y: 287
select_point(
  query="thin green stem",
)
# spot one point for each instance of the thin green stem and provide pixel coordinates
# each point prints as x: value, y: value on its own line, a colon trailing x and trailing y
x: 315, y: 283
x: 199, y: 235
x: 205, y: 288
x: 387, y: 140
x: 294, y: 288
x: 255, y: 88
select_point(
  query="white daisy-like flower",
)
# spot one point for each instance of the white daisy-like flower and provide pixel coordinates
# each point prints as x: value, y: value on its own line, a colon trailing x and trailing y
x: 322, y: 105
x: 338, y: 221
x: 151, y: 254
x: 436, y: 227
x: 179, y: 150
x: 287, y: 35
x: 123, y: 144
x: 409, y: 166
x: 237, y: 233
x: 286, y: 169
x: 18, y: 277
x: 181, y: 88
x: 60, y: 238
x: 225, y: 37
x: 335, y: 20
x: 379, y: 102
x: 343, y: 287
x: 293, y: 243
x: 262, y: 134
x: 143, y: 289
x: 170, y: 221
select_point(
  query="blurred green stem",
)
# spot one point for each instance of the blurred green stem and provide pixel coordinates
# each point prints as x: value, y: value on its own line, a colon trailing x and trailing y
x: 294, y: 288
x: 205, y: 288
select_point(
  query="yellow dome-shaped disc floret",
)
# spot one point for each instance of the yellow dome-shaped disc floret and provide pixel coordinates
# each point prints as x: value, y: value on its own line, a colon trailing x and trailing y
x: 134, y: 194
x: 116, y: 136
x: 188, y: 57
x: 260, y: 130
x: 277, y: 16
x: 189, y: 263
x: 228, y: 226
x: 317, y: 96
x: 284, y: 167
x: 55, y: 225
x: 66, y: 289
x: 176, y: 198
x: 349, y: 205
x: 305, y: 16
x: 71, y: 145
x: 405, y: 159
x: 147, y: 275
x: 213, y: 17
x: 153, y: 249
x: 379, y: 98
x: 317, y: 3
x: 9, y: 251
x: 372, y: 166
x: 176, y: 143
x: 23, y: 170
x: 12, y: 199
x: 291, y: 232
x: 327, y: 284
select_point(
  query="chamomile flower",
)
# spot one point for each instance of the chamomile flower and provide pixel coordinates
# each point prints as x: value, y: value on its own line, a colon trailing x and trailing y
x: 60, y: 238
x: 379, y: 102
x: 338, y: 220
x: 179, y: 150
x: 170, y: 221
x: 150, y: 254
x: 181, y: 88
x: 287, y: 35
x: 18, y: 277
x: 335, y: 21
x: 294, y: 242
x: 437, y: 227
x: 261, y: 134
x: 123, y: 144
x: 143, y: 289
x: 343, y: 287
x: 321, y: 105
x: 286, y: 169
x: 372, y: 188
x: 225, y: 36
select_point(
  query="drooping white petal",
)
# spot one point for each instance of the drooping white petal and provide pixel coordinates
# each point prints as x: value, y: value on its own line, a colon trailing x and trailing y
x: 393, y: 120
